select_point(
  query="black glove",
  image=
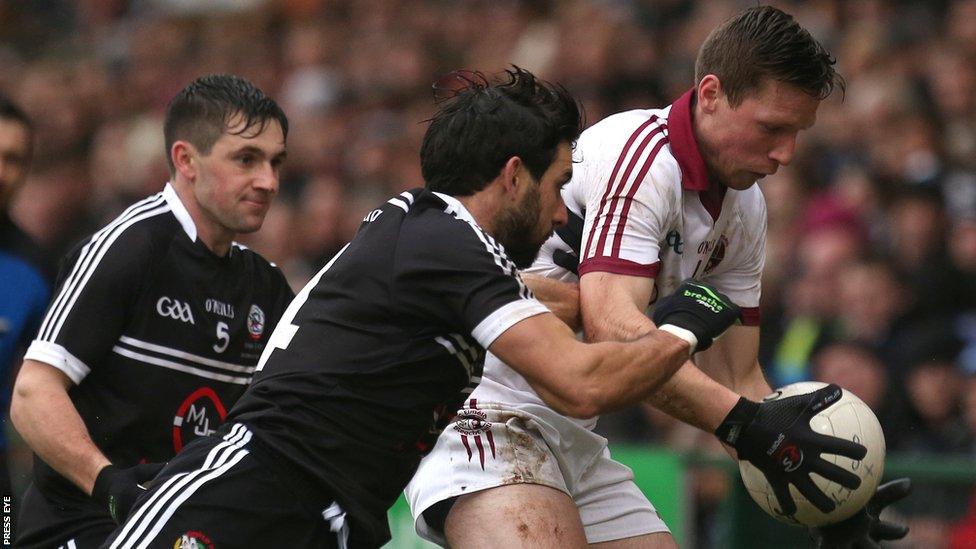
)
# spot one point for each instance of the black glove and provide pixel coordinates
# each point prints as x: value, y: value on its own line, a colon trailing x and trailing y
x: 566, y: 260
x: 698, y: 308
x: 776, y: 437
x: 865, y: 530
x: 118, y: 489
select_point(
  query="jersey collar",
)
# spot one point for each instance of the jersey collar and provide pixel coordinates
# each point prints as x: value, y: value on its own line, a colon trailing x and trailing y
x: 179, y: 210
x: 455, y: 207
x: 694, y: 176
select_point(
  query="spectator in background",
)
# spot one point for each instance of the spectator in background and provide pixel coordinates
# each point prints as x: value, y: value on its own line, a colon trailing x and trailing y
x: 158, y: 323
x: 24, y: 271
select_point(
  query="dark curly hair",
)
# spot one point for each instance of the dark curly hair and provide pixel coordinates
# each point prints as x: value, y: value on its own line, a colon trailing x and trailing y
x: 481, y: 125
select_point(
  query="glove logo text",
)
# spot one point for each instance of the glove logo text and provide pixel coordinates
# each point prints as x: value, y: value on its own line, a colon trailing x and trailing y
x: 711, y: 303
x: 790, y: 457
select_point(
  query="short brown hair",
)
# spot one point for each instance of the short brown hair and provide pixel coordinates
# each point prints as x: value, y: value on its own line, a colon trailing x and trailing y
x: 764, y: 42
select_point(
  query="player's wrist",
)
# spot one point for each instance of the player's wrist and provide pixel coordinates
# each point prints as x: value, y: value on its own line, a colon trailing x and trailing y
x: 103, y: 483
x: 682, y: 333
x: 731, y: 429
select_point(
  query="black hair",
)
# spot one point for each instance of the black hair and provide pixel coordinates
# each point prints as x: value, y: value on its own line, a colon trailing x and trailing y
x: 10, y: 111
x: 765, y: 42
x: 482, y: 125
x: 206, y: 108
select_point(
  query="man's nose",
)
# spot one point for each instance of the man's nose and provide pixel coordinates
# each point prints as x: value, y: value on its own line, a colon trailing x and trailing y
x: 783, y: 152
x: 561, y: 216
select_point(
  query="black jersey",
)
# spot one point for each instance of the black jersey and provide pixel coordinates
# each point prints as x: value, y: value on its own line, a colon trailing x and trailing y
x: 379, y: 350
x: 159, y: 334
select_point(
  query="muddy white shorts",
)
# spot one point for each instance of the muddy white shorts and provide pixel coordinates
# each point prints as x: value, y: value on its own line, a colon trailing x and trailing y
x: 490, y: 445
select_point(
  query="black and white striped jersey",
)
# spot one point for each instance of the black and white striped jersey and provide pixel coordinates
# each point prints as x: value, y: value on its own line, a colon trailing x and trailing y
x: 379, y: 350
x: 159, y: 335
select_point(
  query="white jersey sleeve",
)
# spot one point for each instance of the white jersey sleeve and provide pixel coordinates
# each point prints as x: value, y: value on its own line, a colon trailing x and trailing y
x: 631, y: 194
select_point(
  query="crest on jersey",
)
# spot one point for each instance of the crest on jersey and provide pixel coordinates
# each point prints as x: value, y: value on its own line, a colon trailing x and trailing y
x: 198, y: 416
x: 193, y: 540
x: 718, y: 254
x: 471, y: 422
x: 255, y: 322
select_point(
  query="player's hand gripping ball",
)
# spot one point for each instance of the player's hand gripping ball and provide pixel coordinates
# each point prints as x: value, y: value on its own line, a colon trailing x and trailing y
x: 848, y: 418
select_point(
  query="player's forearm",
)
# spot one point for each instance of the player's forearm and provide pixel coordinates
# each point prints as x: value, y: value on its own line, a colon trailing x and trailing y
x: 612, y: 375
x: 694, y: 398
x: 46, y: 418
x: 680, y: 394
x: 562, y: 298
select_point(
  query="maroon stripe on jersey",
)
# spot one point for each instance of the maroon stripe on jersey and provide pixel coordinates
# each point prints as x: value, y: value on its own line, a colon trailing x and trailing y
x: 613, y: 176
x: 464, y: 441
x: 622, y: 223
x: 616, y: 265
x: 750, y: 316
x: 491, y: 442
x: 481, y: 451
x: 608, y: 218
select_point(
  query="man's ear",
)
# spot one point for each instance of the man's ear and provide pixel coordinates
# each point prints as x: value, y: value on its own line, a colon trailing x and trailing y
x: 511, y: 174
x: 710, y: 92
x: 183, y: 154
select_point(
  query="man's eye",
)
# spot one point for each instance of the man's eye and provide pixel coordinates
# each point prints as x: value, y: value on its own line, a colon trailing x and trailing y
x: 245, y: 160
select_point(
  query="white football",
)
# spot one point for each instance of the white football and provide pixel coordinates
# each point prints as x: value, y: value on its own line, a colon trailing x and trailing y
x: 848, y: 418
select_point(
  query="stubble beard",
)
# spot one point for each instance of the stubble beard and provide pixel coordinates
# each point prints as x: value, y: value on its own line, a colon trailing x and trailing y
x: 515, y: 229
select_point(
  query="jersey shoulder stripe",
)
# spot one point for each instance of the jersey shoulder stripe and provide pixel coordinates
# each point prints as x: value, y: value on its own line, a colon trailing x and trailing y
x: 91, y: 256
x: 455, y: 209
x: 641, y: 149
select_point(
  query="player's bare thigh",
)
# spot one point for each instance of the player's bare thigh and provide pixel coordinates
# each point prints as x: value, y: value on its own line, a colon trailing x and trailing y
x: 529, y: 515
x: 515, y: 516
x: 657, y: 540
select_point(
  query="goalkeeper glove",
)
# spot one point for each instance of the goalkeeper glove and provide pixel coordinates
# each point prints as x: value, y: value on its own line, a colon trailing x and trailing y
x: 865, y: 530
x: 118, y: 489
x: 776, y: 437
x: 699, y: 309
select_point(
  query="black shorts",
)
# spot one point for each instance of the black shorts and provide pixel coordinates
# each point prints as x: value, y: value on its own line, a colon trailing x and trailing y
x: 72, y: 521
x: 218, y: 494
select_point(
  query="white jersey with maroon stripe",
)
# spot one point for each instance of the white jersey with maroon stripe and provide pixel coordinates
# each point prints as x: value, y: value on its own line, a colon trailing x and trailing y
x: 636, y: 187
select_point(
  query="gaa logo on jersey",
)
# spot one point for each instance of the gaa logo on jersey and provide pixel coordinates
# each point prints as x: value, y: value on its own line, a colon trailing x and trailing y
x: 199, y: 416
x: 255, y: 322
x: 193, y: 540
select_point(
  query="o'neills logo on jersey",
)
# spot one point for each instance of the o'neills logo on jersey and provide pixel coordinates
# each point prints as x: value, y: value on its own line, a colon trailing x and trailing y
x: 255, y: 322
x: 220, y: 308
x: 173, y: 308
x: 199, y: 416
x: 193, y: 540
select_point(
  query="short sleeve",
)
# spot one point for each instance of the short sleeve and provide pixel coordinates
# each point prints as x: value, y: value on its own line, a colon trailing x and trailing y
x: 627, y: 218
x: 97, y: 284
x: 451, y: 271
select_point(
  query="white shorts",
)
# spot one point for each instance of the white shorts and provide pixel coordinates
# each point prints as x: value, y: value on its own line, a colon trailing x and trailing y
x: 498, y: 444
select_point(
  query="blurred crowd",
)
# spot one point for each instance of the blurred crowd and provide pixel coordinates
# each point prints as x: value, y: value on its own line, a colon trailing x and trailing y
x: 870, y: 276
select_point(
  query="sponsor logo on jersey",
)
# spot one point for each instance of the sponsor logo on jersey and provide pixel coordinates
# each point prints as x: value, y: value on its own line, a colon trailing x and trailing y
x: 220, y: 308
x: 193, y: 540
x: 198, y: 416
x: 255, y: 322
x: 168, y: 307
x: 674, y: 242
x: 472, y: 422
